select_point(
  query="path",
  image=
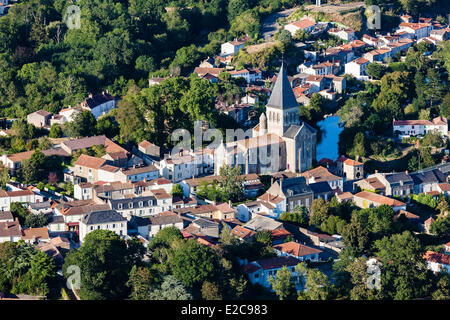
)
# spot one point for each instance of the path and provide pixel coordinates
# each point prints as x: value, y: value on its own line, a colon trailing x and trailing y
x: 270, y: 26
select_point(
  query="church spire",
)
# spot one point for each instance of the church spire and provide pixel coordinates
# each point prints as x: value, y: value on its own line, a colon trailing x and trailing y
x: 282, y: 96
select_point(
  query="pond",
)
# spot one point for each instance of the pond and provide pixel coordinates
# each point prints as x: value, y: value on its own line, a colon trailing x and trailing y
x: 328, y: 146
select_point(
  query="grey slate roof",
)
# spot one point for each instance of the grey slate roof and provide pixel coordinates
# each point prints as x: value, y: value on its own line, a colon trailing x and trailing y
x: 297, y: 185
x: 396, y: 178
x: 99, y: 217
x: 40, y: 205
x: 282, y: 96
x: 293, y: 130
x: 320, y: 187
x: 433, y: 176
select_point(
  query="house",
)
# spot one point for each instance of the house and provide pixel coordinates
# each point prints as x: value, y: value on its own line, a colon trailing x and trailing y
x: 39, y: 119
x: 285, y: 194
x: 321, y: 190
x: 87, y: 167
x: 320, y: 240
x: 243, y: 233
x: 344, y: 197
x: 149, y: 148
x: 320, y: 69
x: 148, y: 204
x: 52, y: 251
x: 396, y: 184
x: 13, y: 161
x: 105, y: 220
x: 10, y: 231
x: 150, y: 172
x: 208, y: 71
x: 349, y: 168
x: 99, y: 104
x: 347, y: 34
x: 306, y: 25
x: 416, y: 30
x: 444, y: 188
x: 322, y: 174
x: 84, y: 143
x: 335, y: 83
x: 357, y: 68
x: 201, y: 227
x: 262, y: 223
x: 372, y: 41
x: 22, y: 196
x: 367, y: 199
x: 231, y: 47
x: 259, y: 271
x: 441, y: 34
x: 35, y: 235
x: 400, y: 45
x: 408, y: 128
x: 297, y: 251
x: 428, y: 181
x: 6, y: 216
x: 164, y: 220
x: 371, y: 184
x: 247, y: 210
x: 73, y: 211
x: 40, y: 207
x: 381, y: 54
x: 225, y: 211
x: 317, y: 82
x: 56, y: 225
x: 437, y: 262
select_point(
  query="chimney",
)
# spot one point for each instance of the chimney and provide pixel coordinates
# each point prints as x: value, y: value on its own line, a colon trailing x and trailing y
x: 406, y: 171
x: 376, y: 171
x: 229, y: 203
x: 90, y: 95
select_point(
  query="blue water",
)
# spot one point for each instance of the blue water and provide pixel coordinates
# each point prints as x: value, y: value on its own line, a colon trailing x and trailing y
x: 328, y: 147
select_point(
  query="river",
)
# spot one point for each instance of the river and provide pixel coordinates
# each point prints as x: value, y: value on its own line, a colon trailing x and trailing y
x: 328, y: 146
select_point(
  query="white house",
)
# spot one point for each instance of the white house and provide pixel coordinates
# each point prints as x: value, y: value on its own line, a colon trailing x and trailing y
x: 344, y: 34
x: 247, y: 211
x: 164, y: 220
x: 100, y: 104
x: 231, y: 47
x: 408, y: 128
x: 417, y: 30
x: 357, y: 68
x: 22, y: 196
x: 306, y: 25
x: 104, y: 220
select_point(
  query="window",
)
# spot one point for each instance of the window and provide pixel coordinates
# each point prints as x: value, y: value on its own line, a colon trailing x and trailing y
x: 114, y: 225
x: 120, y: 206
x: 130, y: 205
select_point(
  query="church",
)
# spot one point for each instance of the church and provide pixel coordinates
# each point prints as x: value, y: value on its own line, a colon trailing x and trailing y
x: 279, y: 142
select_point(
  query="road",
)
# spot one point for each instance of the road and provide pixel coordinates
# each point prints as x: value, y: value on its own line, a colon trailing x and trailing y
x: 270, y: 26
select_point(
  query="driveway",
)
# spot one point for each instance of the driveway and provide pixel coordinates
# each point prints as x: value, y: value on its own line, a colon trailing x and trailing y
x: 270, y: 26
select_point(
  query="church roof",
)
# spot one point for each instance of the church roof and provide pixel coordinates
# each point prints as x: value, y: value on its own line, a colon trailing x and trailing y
x: 282, y: 96
x: 293, y: 130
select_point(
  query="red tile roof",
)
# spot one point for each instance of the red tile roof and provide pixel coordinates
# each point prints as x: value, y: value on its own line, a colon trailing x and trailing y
x: 296, y: 249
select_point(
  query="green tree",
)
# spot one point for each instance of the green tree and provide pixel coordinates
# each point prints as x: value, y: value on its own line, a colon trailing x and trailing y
x: 105, y: 261
x: 282, y: 283
x: 401, y: 254
x: 193, y: 263
x: 55, y: 131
